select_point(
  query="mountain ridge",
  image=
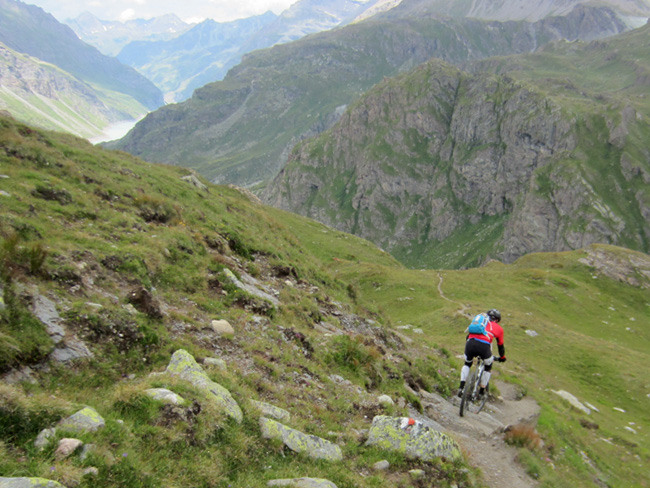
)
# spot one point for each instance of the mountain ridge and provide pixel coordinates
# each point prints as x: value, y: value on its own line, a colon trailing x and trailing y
x: 629, y: 10
x: 202, y: 54
x: 111, y: 36
x: 30, y: 30
x: 240, y: 130
x: 447, y: 169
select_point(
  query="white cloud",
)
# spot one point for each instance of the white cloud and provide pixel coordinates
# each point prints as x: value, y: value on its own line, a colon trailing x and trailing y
x: 219, y: 10
x: 127, y: 14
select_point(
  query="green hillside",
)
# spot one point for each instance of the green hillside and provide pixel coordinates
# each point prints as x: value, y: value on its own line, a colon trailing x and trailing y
x: 45, y: 96
x: 92, y: 230
x: 240, y: 130
x: 28, y: 29
x: 448, y: 168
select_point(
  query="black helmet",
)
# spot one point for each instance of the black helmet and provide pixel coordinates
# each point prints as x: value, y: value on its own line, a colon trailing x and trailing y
x: 495, y: 315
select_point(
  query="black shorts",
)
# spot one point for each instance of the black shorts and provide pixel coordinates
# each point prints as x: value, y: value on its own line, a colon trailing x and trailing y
x: 474, y: 348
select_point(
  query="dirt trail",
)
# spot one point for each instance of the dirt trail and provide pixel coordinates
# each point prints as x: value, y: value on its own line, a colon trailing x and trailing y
x: 463, y: 310
x: 481, y: 435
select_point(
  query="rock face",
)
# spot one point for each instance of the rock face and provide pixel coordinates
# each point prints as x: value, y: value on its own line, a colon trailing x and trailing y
x: 184, y: 365
x: 411, y: 438
x: 449, y: 169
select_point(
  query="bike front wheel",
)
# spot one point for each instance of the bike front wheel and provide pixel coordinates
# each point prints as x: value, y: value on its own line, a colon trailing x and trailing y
x: 482, y: 401
x: 468, y: 393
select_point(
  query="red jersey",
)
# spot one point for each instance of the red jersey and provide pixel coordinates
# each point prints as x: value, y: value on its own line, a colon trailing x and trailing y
x: 493, y: 330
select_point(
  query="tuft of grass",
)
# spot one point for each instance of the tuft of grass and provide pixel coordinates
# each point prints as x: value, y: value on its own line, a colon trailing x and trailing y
x: 523, y: 435
x: 22, y: 417
x: 154, y: 209
x: 23, y: 338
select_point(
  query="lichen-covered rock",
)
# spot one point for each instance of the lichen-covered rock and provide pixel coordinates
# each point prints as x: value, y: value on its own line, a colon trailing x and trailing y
x: 385, y: 401
x: 28, y: 483
x: 412, y: 438
x: 303, y: 483
x: 85, y: 420
x: 272, y: 411
x: 44, y: 438
x: 183, y: 365
x: 311, y: 445
x: 165, y: 396
x: 216, y: 362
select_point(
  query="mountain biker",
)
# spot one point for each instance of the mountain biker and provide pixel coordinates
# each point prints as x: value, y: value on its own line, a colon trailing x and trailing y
x: 481, y: 345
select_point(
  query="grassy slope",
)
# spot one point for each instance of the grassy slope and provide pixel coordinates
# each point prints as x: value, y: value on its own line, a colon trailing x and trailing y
x: 80, y: 109
x: 550, y: 293
x: 592, y: 342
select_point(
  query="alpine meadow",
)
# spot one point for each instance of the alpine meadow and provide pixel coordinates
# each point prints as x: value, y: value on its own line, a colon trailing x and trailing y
x: 270, y: 282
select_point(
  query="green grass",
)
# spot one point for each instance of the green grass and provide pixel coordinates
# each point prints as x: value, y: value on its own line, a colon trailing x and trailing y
x: 104, y: 230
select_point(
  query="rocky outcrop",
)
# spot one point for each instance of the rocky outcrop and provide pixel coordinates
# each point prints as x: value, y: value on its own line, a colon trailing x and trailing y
x: 250, y: 285
x: 411, y: 438
x: 628, y: 267
x: 184, y: 365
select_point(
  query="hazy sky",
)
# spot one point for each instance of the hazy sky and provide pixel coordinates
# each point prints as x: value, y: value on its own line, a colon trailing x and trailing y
x: 188, y: 10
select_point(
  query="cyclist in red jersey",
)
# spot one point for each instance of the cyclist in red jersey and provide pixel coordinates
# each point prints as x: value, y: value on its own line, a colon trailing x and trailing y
x: 481, y: 345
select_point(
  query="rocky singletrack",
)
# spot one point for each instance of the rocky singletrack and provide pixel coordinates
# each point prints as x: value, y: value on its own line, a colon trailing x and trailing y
x: 481, y: 436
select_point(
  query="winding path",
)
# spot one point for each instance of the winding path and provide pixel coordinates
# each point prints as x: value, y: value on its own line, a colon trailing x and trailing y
x: 463, y: 308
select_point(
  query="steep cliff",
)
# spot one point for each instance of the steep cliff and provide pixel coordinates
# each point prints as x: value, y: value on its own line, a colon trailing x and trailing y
x: 446, y: 168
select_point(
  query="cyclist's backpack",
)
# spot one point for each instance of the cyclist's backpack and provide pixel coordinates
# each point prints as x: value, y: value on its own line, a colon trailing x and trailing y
x: 479, y: 324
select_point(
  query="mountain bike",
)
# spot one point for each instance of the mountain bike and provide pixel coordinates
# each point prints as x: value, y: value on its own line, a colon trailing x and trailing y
x: 471, y: 401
